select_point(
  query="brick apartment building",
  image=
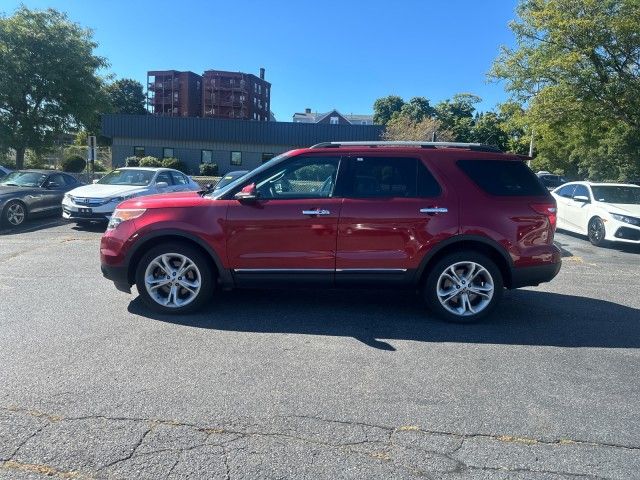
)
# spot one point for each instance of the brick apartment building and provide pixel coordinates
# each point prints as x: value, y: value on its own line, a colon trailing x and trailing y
x: 235, y: 95
x: 217, y: 94
x: 174, y: 93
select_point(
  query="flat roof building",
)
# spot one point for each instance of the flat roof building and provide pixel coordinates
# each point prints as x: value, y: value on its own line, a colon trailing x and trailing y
x: 232, y: 144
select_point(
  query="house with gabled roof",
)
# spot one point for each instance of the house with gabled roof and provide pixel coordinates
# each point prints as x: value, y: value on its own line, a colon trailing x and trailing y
x: 334, y: 117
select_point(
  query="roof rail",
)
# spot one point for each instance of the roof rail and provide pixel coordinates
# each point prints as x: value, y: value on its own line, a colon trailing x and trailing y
x: 481, y: 147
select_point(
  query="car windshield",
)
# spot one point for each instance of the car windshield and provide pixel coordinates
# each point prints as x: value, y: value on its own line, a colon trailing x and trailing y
x: 127, y: 177
x: 23, y: 179
x: 617, y: 194
x: 274, y: 161
x: 230, y: 177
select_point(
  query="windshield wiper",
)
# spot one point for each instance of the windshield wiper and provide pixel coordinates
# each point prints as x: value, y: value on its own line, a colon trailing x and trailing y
x: 11, y: 184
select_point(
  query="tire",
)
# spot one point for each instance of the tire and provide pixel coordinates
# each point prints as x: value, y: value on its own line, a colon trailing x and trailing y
x: 165, y: 295
x: 14, y: 214
x: 482, y: 295
x: 596, y: 232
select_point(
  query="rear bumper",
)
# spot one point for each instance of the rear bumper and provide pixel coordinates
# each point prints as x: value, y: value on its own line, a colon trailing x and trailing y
x: 118, y: 275
x: 535, y: 275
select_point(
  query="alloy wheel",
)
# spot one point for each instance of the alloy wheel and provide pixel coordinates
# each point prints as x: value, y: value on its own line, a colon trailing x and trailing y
x: 465, y: 288
x: 172, y: 280
x: 596, y: 231
x: 15, y: 214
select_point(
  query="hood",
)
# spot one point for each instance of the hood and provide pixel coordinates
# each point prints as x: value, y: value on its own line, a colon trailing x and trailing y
x: 168, y: 200
x: 96, y: 190
x: 624, y: 208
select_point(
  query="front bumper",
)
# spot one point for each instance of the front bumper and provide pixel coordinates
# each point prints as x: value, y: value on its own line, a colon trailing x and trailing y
x: 75, y: 212
x: 118, y: 275
x: 618, y: 231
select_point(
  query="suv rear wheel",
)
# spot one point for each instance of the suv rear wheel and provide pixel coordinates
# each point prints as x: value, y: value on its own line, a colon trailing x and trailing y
x: 174, y: 278
x: 463, y: 287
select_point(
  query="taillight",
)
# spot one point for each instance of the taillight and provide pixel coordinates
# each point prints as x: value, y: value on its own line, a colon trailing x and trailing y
x: 547, y: 209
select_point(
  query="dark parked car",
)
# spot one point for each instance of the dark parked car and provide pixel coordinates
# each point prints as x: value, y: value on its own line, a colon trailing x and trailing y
x: 551, y: 181
x: 457, y: 222
x: 32, y: 193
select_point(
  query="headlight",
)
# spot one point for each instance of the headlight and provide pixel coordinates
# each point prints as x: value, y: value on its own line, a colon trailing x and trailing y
x: 67, y: 196
x: 123, y: 215
x: 625, y: 219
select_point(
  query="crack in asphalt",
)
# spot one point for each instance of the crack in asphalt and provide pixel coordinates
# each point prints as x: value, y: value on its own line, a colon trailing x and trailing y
x: 383, y: 449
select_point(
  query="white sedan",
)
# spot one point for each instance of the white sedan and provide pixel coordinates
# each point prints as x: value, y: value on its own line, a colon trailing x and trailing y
x: 602, y: 211
x: 96, y: 202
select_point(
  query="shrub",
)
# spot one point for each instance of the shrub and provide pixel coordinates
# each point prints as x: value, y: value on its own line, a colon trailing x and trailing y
x: 150, y: 162
x: 73, y: 164
x: 170, y: 162
x: 99, y: 167
x: 132, y: 162
x: 209, y: 169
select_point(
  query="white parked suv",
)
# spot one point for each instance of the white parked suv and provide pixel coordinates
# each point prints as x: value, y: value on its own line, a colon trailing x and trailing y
x: 602, y: 211
x: 96, y: 202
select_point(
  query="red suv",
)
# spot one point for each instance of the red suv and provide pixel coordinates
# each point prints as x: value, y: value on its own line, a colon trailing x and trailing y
x: 460, y: 222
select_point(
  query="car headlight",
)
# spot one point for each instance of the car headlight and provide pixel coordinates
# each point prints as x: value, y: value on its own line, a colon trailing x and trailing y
x: 625, y: 219
x: 67, y: 196
x: 122, y: 215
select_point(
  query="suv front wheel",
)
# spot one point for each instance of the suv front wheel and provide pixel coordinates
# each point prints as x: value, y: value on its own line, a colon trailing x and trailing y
x: 463, y: 287
x: 174, y: 278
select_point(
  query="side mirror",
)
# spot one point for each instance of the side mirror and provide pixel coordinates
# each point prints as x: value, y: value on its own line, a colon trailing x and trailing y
x: 95, y: 180
x: 162, y: 184
x: 581, y: 198
x: 248, y: 194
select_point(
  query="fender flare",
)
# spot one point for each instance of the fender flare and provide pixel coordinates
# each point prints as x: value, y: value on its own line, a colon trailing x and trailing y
x: 459, y: 239
x: 225, y: 277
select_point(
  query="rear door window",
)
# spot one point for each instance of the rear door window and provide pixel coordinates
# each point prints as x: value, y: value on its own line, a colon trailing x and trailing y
x: 504, y: 178
x: 390, y: 177
x: 178, y: 178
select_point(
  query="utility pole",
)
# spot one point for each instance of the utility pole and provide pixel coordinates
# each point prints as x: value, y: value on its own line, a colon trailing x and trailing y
x: 530, y: 149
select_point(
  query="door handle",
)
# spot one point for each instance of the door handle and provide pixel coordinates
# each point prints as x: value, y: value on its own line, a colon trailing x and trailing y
x: 316, y: 212
x: 432, y: 210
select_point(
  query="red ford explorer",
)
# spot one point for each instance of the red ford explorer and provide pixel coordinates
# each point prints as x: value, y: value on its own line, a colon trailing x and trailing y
x: 460, y: 222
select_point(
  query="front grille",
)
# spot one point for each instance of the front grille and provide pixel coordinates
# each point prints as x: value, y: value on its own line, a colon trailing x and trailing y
x: 89, y: 202
x: 627, y: 233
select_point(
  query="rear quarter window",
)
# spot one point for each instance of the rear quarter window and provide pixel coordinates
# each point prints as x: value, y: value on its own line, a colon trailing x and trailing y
x: 503, y: 178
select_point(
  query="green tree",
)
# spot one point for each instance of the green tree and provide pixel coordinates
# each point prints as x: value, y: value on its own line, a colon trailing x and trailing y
x: 456, y: 115
x: 48, y: 79
x: 385, y: 108
x: 577, y: 66
x: 126, y: 96
x: 417, y: 109
x: 401, y: 127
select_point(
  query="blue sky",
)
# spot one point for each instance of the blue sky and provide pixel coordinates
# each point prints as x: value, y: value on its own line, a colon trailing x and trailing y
x: 321, y: 54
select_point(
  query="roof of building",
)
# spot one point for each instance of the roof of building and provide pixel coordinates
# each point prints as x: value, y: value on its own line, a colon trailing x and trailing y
x: 316, y: 117
x: 233, y: 130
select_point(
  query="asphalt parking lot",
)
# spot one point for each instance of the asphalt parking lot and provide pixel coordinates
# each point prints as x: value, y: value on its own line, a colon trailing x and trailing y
x: 313, y: 384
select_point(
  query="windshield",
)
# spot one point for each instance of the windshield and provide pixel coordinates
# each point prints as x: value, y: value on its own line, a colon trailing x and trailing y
x: 617, y: 194
x: 24, y: 179
x: 230, y: 177
x: 221, y: 191
x: 133, y: 177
